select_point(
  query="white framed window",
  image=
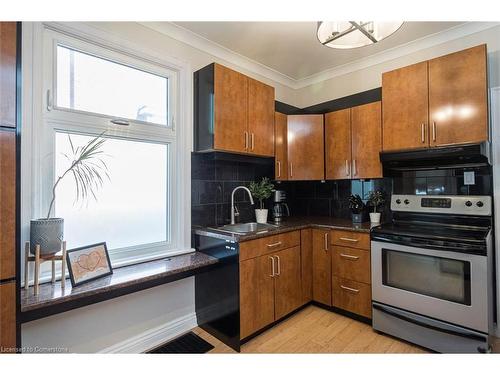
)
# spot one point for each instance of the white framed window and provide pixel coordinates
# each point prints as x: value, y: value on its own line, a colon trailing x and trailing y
x: 85, y: 84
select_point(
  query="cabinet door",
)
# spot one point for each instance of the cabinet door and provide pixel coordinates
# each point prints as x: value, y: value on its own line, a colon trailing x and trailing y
x: 366, y: 127
x: 352, y: 296
x: 305, y: 147
x: 260, y: 118
x: 7, y: 204
x: 230, y: 110
x: 8, y: 315
x: 306, y: 259
x: 8, y: 74
x: 288, y: 286
x: 338, y: 144
x: 352, y: 264
x: 322, y: 271
x: 458, y: 97
x: 256, y: 294
x: 405, y: 108
x: 280, y: 147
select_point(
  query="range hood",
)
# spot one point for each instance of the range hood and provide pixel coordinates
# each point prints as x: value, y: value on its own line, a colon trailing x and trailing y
x: 447, y: 157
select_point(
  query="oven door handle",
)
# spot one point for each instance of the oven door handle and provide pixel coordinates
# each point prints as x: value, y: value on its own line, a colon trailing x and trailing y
x: 429, y: 326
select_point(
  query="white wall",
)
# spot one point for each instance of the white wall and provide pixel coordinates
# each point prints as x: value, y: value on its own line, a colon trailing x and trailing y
x: 371, y: 77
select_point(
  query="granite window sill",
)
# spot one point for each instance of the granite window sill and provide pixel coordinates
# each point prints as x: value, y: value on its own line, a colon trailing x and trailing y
x: 52, y: 299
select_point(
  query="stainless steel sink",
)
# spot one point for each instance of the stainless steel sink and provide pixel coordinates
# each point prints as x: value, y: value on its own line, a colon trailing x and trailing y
x: 244, y: 228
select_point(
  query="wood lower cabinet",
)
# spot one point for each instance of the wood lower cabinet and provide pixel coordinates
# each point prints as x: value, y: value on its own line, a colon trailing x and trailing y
x: 458, y: 97
x: 288, y: 286
x: 321, y: 265
x: 305, y: 147
x: 280, y: 147
x: 338, y: 153
x: 7, y: 317
x: 405, y: 108
x: 306, y: 258
x: 260, y: 118
x: 352, y: 264
x: 352, y: 296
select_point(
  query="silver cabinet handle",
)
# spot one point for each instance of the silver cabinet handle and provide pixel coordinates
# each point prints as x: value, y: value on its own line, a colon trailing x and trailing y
x: 252, y: 141
x: 423, y: 132
x: 354, y: 170
x: 272, y: 266
x: 434, y: 131
x: 346, y: 167
x: 348, y: 239
x: 291, y: 169
x: 352, y: 257
x: 118, y: 121
x: 279, y: 266
x: 274, y: 244
x: 246, y: 140
x: 279, y: 168
x: 349, y: 289
x: 326, y: 241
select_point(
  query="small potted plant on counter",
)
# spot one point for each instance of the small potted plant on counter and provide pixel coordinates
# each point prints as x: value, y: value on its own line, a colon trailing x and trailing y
x: 261, y: 190
x: 376, y: 199
x: 357, y: 206
x: 86, y: 166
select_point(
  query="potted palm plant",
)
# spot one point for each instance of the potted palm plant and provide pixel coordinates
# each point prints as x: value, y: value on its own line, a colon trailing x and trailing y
x: 376, y: 199
x: 88, y: 169
x: 261, y: 190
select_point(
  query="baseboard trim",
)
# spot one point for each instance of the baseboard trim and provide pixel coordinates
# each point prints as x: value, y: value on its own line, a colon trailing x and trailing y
x: 154, y: 337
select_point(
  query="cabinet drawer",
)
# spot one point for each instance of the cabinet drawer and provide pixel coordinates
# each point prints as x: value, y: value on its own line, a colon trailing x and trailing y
x: 352, y: 296
x: 351, y: 239
x: 353, y: 264
x: 266, y: 245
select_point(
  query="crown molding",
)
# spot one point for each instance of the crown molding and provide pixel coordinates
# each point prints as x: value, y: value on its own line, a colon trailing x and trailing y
x: 186, y: 36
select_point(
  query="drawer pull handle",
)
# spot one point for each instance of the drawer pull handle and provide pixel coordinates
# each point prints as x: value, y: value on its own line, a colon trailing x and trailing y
x: 352, y: 290
x: 274, y: 244
x: 349, y: 256
x: 348, y: 239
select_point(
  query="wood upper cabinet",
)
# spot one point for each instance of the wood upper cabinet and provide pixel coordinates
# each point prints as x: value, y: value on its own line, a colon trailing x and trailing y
x: 405, y: 108
x: 7, y: 204
x: 322, y: 270
x: 260, y: 118
x: 230, y: 110
x: 305, y: 147
x: 280, y: 146
x: 458, y: 97
x: 8, y: 74
x: 256, y: 294
x: 8, y: 316
x: 338, y: 144
x: 353, y: 141
x: 366, y: 130
x: 288, y: 286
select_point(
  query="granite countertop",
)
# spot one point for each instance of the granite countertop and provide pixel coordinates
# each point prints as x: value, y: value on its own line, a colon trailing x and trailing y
x: 290, y: 224
x: 133, y: 275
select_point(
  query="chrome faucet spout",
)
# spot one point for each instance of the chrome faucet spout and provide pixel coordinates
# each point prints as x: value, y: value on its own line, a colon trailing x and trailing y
x: 232, y: 200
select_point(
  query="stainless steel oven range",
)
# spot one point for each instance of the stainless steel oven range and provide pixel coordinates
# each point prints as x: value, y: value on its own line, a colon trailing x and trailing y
x: 432, y: 272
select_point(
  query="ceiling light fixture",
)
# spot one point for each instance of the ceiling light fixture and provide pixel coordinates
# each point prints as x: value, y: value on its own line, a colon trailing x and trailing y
x: 354, y: 34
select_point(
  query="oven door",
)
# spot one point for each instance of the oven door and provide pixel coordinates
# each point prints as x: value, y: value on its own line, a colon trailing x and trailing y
x: 444, y: 285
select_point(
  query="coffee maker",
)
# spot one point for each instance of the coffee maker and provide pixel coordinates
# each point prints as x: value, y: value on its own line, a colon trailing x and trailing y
x: 280, y: 208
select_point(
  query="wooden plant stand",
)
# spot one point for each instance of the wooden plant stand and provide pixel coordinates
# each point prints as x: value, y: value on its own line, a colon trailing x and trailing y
x: 39, y: 259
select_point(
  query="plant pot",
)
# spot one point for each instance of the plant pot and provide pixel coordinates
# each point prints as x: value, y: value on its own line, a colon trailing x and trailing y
x: 375, y: 217
x: 48, y: 233
x: 261, y: 216
x: 357, y: 218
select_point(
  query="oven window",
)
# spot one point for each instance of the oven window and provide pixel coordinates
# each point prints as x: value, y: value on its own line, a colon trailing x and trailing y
x: 443, y: 278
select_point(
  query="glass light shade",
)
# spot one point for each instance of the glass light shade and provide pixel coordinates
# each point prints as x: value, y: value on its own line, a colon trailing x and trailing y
x: 345, y: 35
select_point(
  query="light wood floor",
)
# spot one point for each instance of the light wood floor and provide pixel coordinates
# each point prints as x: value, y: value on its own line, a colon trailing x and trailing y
x: 315, y: 330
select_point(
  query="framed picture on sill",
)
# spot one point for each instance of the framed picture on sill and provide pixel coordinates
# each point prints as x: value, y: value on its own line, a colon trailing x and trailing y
x: 88, y: 263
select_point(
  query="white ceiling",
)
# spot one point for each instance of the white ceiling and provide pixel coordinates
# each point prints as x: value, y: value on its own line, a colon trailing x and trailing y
x: 292, y: 49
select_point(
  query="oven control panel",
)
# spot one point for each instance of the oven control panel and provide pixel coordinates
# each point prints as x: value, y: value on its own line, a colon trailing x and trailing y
x: 478, y: 205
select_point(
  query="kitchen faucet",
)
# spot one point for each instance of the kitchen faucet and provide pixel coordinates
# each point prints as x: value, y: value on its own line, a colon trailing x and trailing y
x: 232, y: 201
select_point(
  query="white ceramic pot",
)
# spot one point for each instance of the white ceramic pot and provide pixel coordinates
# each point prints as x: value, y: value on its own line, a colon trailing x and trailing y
x: 375, y: 217
x: 261, y: 216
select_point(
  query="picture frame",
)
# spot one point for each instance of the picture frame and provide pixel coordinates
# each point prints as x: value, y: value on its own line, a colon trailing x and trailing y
x: 88, y: 263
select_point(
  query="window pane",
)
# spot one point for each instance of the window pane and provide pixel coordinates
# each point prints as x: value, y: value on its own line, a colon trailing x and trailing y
x: 131, y: 207
x: 91, y: 84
